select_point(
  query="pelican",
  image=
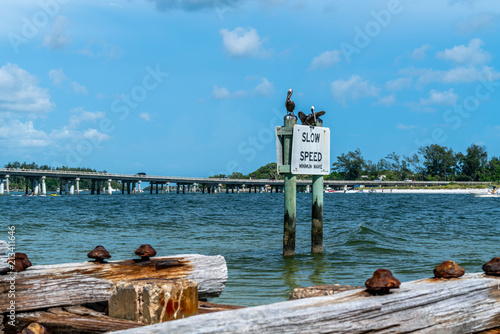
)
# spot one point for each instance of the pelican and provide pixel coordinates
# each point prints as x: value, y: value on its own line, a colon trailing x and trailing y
x: 312, y: 118
x: 289, y: 104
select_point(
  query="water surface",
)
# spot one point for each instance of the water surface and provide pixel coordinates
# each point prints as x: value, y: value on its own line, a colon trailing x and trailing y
x: 407, y: 233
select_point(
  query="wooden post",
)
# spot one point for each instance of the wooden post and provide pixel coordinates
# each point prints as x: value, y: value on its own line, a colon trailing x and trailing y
x: 290, y: 191
x: 317, y: 211
x: 317, y: 215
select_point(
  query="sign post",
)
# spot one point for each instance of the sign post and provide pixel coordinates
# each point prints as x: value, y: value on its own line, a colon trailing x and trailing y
x: 302, y: 150
x: 290, y: 189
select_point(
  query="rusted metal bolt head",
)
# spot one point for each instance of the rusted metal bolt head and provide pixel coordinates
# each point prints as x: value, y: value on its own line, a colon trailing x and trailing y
x: 19, y: 261
x: 99, y: 254
x: 448, y: 269
x: 145, y: 252
x: 381, y: 282
x: 492, y: 267
x: 35, y: 328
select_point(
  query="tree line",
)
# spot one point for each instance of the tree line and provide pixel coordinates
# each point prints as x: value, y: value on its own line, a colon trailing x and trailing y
x: 52, y: 183
x: 431, y: 163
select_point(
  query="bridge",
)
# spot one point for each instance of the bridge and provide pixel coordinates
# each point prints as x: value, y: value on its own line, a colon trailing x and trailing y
x: 131, y: 183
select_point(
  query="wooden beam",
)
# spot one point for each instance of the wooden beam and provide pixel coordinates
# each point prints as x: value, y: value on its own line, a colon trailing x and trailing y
x: 88, y: 282
x: 461, y: 305
x: 72, y: 319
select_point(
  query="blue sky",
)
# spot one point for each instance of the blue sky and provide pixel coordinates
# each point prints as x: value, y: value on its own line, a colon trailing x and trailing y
x: 196, y: 87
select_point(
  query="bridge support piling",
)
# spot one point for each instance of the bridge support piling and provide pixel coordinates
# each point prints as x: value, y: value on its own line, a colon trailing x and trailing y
x: 156, y: 189
x: 139, y: 187
x: 7, y: 185
x: 151, y: 186
x: 168, y: 187
x: 66, y: 187
x: 162, y: 188
x: 123, y: 187
x: 44, y: 186
x: 1, y: 187
x: 110, y: 190
x: 219, y: 188
x: 178, y: 188
x: 194, y: 188
x: 183, y: 188
x: 72, y: 187
x: 92, y: 187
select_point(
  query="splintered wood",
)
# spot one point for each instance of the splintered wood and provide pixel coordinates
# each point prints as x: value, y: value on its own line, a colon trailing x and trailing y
x: 79, y: 283
x: 458, y: 305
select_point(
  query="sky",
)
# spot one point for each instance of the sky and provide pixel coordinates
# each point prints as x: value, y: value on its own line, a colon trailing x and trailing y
x: 197, y: 87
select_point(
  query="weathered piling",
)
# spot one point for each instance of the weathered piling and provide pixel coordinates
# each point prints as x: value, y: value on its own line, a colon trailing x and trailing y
x: 88, y: 282
x: 459, y: 305
x: 317, y: 214
x: 290, y: 190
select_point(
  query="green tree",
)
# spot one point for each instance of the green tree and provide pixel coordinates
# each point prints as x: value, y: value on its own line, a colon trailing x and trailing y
x: 474, y: 162
x: 439, y: 161
x: 351, y: 164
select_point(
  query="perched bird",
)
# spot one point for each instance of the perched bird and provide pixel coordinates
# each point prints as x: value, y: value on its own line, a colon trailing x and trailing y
x: 289, y: 104
x: 312, y: 118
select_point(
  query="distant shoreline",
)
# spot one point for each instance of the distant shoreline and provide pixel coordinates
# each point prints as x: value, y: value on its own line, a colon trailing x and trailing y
x: 419, y: 191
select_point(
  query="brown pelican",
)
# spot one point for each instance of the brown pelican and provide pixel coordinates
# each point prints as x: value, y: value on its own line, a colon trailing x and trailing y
x: 312, y: 118
x: 289, y: 104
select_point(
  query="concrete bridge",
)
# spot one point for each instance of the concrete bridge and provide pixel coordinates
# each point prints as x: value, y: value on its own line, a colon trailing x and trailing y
x: 131, y: 183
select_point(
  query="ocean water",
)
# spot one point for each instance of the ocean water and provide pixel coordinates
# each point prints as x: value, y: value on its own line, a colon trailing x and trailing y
x: 407, y: 233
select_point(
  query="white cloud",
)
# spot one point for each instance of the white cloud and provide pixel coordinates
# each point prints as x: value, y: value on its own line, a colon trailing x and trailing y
x: 398, y: 84
x: 353, y: 88
x: 220, y: 93
x: 446, y: 98
x: 102, y: 49
x: 242, y: 42
x: 81, y: 115
x: 58, y: 78
x: 193, y: 5
x: 264, y: 88
x: 455, y: 75
x: 77, y: 88
x: 16, y: 134
x: 387, y: 101
x: 406, y: 127
x: 471, y: 54
x: 94, y: 134
x: 58, y: 38
x: 419, y: 53
x: 325, y: 60
x: 145, y: 116
x: 19, y: 91
x: 477, y: 22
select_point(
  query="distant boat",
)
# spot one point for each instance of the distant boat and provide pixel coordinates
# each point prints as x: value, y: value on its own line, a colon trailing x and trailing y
x: 492, y: 192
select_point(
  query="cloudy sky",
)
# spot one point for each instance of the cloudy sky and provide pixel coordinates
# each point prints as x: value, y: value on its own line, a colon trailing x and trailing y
x: 196, y: 87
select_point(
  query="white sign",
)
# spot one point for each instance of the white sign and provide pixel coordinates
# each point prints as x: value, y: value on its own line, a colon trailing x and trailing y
x: 310, y: 150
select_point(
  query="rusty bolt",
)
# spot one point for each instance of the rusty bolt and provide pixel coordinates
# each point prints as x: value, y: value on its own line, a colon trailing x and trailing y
x: 145, y: 252
x: 20, y: 262
x: 381, y: 281
x: 448, y: 269
x: 35, y: 328
x: 99, y: 254
x: 492, y: 267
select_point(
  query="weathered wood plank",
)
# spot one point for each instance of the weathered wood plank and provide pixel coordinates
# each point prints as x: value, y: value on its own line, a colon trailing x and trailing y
x: 72, y: 319
x: 79, y: 283
x: 464, y: 305
x: 4, y: 267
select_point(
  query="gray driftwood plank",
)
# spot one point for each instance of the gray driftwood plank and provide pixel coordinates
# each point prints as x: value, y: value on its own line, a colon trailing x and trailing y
x: 46, y: 286
x: 465, y: 305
